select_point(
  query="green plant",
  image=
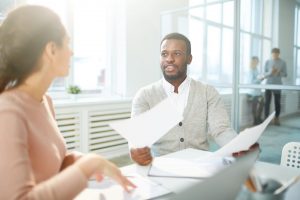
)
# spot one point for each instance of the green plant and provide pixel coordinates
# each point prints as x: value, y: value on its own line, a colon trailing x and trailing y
x: 73, y: 89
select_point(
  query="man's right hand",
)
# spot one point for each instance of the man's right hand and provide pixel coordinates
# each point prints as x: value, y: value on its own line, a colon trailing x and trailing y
x: 142, y: 156
x: 275, y: 71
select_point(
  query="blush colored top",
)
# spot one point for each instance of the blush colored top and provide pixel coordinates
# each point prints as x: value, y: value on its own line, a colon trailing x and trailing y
x: 32, y: 151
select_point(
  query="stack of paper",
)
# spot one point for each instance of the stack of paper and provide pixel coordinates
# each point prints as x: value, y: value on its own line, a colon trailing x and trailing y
x: 244, y: 139
x: 199, y: 168
x: 147, y: 128
x: 212, y: 163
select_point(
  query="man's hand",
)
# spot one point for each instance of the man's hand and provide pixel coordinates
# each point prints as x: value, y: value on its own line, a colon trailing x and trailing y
x: 241, y: 153
x: 142, y: 156
x: 275, y: 71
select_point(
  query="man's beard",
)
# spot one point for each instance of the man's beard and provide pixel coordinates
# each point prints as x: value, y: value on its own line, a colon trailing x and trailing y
x: 179, y: 75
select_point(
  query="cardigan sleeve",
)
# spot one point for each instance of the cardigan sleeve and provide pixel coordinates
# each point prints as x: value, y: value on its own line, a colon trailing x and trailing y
x: 218, y: 119
x: 139, y: 103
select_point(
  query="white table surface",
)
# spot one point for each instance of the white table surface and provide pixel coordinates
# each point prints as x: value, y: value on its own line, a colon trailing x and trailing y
x: 263, y: 169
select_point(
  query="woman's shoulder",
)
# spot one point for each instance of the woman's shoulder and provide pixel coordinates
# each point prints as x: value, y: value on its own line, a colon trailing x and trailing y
x: 9, y: 102
x: 14, y: 100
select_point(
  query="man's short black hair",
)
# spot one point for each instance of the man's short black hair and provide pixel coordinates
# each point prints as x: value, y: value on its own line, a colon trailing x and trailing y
x: 178, y: 36
x: 254, y: 58
x: 275, y: 50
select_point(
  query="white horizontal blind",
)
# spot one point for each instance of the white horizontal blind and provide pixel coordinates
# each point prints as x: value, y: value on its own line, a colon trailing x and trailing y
x: 85, y: 126
x: 69, y: 125
x: 102, y: 138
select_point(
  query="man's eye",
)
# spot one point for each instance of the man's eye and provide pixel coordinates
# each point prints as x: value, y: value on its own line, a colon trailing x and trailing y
x: 163, y: 54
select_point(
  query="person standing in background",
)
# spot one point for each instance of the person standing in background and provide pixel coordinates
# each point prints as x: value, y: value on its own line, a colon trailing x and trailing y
x: 255, y: 95
x: 275, y: 69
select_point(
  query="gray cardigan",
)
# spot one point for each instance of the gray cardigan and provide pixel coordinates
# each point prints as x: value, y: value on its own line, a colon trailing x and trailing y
x: 204, y: 114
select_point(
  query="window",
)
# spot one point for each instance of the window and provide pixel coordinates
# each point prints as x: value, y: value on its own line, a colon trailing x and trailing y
x: 297, y: 45
x: 255, y: 34
x: 6, y: 5
x: 209, y: 26
x: 92, y: 26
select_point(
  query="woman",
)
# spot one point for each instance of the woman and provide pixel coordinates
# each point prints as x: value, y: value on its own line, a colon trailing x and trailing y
x: 34, y: 163
x: 255, y: 95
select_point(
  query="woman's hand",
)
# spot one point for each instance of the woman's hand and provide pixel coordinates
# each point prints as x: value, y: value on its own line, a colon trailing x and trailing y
x: 93, y: 164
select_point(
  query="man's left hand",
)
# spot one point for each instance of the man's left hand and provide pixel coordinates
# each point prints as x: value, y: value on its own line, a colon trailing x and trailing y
x: 254, y: 147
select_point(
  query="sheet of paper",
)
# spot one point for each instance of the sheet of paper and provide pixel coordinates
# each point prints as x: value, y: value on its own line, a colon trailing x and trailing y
x: 110, y: 190
x: 197, y: 168
x: 148, y: 127
x: 244, y: 139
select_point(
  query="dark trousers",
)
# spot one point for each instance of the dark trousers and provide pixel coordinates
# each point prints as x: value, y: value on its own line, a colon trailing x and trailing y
x: 257, y: 105
x: 277, y: 96
x: 257, y: 108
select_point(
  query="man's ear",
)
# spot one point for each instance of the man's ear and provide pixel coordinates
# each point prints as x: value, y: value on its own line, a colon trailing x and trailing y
x: 190, y: 58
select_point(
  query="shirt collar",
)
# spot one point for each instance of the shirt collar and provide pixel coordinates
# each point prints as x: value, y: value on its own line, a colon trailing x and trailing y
x: 170, y: 88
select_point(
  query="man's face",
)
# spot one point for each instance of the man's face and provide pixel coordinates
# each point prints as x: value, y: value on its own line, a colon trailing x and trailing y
x: 174, y: 59
x: 275, y: 56
x: 254, y: 63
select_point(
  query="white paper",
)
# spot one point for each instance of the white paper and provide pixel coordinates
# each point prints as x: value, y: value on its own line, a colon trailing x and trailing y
x: 146, y: 128
x: 245, y: 139
x: 110, y: 190
x: 198, y: 168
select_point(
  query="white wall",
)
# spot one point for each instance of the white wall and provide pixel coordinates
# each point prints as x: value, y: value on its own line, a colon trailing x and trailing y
x: 143, y: 40
x: 286, y: 18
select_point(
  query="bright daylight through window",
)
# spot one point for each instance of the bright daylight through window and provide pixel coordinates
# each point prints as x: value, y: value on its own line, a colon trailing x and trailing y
x: 90, y: 27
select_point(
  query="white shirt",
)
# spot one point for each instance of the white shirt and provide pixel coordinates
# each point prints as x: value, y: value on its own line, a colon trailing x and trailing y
x: 180, y: 99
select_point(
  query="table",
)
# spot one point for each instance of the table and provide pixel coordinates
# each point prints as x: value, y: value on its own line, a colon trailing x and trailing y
x: 263, y: 169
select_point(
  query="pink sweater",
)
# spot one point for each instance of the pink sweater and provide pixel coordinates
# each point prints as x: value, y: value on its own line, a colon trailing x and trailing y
x: 32, y: 151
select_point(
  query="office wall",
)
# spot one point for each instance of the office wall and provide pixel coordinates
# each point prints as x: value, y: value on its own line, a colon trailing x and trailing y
x: 143, y: 40
x: 285, y: 31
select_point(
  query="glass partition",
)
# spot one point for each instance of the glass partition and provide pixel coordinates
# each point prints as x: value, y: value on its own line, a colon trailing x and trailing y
x: 209, y: 26
x: 278, y: 133
x: 231, y: 42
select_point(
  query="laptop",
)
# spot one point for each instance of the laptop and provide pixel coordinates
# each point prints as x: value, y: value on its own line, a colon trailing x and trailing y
x: 224, y: 185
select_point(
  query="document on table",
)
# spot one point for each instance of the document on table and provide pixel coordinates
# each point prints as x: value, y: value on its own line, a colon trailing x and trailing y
x: 245, y: 139
x: 110, y: 190
x: 146, y: 128
x: 183, y: 168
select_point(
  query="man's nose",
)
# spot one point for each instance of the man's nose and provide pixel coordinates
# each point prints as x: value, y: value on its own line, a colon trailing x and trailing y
x: 170, y: 58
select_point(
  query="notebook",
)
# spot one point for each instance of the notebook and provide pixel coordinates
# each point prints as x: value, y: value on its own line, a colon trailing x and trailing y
x: 183, y: 168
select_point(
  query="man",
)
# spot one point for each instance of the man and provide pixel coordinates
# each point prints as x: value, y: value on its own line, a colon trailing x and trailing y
x: 275, y: 69
x: 199, y: 103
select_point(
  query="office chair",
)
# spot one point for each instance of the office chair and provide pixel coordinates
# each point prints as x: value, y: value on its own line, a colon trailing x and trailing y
x: 290, y: 156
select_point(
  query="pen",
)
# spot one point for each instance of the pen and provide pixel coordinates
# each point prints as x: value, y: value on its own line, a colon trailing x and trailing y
x: 256, y: 181
x: 249, y: 184
x: 286, y: 185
